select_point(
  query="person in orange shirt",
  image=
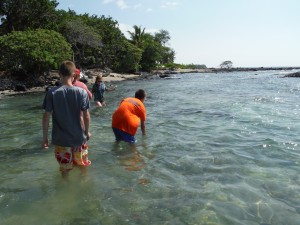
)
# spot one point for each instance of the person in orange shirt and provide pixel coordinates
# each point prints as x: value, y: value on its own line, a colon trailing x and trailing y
x: 127, y: 118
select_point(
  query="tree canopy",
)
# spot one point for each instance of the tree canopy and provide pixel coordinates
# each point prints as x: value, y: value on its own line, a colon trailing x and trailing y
x: 33, y: 52
x: 19, y: 15
x: 226, y: 65
x: 154, y: 49
x: 37, y: 28
x: 138, y: 36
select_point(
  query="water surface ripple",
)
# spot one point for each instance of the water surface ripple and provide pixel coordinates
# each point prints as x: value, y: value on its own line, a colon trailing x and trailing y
x: 220, y: 149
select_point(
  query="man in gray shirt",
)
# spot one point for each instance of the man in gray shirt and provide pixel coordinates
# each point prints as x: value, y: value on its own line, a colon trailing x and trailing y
x: 70, y: 131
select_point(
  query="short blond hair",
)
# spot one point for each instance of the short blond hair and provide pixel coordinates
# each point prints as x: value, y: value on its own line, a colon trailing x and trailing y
x: 67, y: 69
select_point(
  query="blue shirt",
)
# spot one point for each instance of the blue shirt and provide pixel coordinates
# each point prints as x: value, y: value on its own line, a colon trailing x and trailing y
x: 66, y: 104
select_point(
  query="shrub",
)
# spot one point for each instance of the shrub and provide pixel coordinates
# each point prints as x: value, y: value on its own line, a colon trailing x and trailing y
x: 34, y: 51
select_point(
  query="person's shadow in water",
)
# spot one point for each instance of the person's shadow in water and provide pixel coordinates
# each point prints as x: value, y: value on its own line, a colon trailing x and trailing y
x: 130, y: 158
x: 128, y: 155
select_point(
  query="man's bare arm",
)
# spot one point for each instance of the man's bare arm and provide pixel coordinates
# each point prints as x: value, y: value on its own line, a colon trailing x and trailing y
x: 143, y: 127
x: 45, y: 126
x: 86, y: 121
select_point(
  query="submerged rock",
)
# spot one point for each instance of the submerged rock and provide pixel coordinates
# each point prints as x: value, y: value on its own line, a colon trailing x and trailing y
x: 297, y: 74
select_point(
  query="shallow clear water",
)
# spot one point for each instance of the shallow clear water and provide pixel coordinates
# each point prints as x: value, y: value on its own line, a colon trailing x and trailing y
x: 220, y: 149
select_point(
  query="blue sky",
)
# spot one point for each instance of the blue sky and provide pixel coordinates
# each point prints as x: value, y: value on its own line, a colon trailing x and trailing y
x: 250, y: 33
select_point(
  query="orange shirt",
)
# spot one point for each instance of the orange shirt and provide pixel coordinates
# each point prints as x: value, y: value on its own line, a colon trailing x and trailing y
x: 129, y: 115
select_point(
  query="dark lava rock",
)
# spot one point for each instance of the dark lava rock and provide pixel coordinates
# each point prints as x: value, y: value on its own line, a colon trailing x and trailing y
x: 20, y: 87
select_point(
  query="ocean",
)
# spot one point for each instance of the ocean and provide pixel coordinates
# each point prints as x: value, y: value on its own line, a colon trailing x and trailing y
x: 220, y: 149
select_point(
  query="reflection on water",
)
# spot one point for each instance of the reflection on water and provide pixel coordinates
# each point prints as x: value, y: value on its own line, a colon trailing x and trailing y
x: 219, y: 150
x: 129, y: 158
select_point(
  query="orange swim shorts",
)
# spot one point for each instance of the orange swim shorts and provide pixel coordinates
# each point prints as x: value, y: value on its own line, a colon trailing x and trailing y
x: 67, y: 157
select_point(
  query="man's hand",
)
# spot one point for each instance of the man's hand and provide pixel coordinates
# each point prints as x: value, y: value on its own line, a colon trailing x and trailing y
x: 88, y: 135
x: 45, y: 144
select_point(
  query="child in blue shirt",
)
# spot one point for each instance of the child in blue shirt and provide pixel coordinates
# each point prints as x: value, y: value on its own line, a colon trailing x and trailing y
x: 98, y: 90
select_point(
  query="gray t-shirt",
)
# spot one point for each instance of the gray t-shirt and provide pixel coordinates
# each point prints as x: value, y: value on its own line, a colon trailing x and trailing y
x: 66, y: 104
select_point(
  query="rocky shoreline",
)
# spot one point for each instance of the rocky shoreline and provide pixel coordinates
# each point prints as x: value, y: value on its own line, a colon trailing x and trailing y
x: 224, y: 70
x: 297, y: 74
x: 17, y: 86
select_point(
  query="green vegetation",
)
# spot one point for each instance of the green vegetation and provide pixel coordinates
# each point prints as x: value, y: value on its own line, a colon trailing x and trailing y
x: 173, y: 66
x: 33, y: 52
x: 35, y: 37
x: 153, y: 47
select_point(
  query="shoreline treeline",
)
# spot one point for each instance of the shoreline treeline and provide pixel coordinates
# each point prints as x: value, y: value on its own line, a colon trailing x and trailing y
x: 35, y: 37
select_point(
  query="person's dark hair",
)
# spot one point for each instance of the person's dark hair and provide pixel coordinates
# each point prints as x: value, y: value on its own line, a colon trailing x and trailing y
x: 140, y: 94
x: 98, y: 78
x: 67, y: 69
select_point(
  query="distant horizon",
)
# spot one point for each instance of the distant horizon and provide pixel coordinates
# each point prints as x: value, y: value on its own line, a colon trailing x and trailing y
x: 249, y: 33
x: 241, y: 66
x: 254, y: 67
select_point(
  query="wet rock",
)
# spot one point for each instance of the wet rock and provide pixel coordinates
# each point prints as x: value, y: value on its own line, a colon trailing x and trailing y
x: 164, y: 75
x: 297, y: 74
x: 20, y: 87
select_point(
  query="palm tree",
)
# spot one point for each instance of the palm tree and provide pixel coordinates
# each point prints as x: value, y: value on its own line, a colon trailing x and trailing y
x: 138, y: 36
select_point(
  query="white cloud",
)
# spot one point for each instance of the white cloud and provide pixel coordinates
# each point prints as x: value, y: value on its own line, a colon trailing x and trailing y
x: 169, y: 4
x: 151, y: 30
x: 137, y: 6
x: 149, y: 10
x: 122, y: 4
x: 107, y: 1
x: 126, y: 27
